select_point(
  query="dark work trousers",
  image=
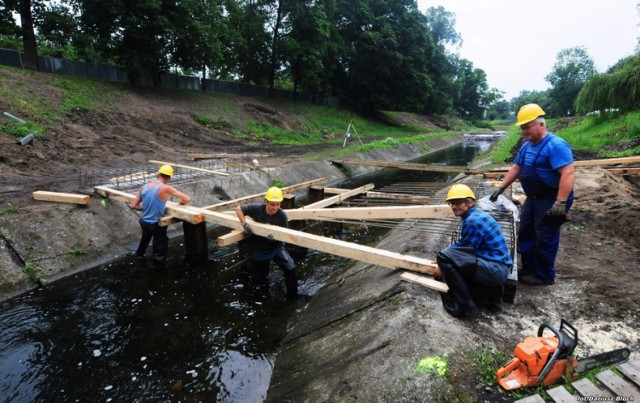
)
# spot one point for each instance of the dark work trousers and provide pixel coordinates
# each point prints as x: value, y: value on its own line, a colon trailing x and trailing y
x: 459, y: 268
x: 286, y: 264
x: 160, y: 243
x: 539, y: 237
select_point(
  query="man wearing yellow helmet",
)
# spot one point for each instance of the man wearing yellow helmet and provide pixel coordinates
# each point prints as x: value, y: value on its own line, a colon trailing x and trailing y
x: 265, y: 250
x: 151, y: 199
x: 544, y: 165
x: 476, y: 266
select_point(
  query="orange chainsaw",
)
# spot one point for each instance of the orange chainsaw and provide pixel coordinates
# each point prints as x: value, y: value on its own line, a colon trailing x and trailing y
x: 546, y: 360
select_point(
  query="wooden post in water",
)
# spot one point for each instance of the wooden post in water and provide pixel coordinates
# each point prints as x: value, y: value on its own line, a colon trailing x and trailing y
x: 316, y: 193
x: 195, y: 241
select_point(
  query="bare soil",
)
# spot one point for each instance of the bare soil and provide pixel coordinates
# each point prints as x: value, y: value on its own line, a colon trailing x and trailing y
x: 598, y: 263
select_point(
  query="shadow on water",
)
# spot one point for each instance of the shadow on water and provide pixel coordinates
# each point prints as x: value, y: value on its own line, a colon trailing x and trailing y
x: 195, y: 332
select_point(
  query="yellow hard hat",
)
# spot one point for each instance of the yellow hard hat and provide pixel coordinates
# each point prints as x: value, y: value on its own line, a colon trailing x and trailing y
x: 459, y: 191
x: 529, y: 113
x: 166, y: 170
x: 274, y: 194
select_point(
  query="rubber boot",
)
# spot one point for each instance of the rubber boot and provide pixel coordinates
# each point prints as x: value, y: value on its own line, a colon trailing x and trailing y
x: 457, y: 302
x: 291, y: 281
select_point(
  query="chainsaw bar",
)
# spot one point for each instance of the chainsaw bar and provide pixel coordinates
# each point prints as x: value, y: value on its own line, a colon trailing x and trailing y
x: 602, y: 360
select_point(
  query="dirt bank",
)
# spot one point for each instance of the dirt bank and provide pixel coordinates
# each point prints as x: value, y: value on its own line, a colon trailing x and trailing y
x: 362, y: 337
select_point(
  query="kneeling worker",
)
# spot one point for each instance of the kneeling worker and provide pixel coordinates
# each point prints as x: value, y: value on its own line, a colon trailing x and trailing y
x: 477, y: 265
x: 264, y: 250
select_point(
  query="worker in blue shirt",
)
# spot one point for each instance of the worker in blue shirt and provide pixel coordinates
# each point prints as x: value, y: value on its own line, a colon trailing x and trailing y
x: 151, y: 199
x: 544, y: 166
x: 477, y: 265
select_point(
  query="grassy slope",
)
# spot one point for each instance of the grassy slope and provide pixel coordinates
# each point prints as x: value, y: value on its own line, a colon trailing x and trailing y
x: 44, y: 100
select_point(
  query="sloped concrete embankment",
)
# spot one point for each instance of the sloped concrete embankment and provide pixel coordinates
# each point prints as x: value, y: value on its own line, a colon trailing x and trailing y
x: 362, y: 337
x: 63, y: 239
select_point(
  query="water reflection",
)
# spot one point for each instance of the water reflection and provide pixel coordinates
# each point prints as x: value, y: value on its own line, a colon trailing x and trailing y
x: 191, y: 332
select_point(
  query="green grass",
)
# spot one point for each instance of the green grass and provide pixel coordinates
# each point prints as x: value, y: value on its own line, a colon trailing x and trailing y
x: 606, y: 136
x: 80, y: 93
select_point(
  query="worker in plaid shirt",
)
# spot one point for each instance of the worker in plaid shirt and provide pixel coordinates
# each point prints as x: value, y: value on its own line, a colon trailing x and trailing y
x: 477, y: 265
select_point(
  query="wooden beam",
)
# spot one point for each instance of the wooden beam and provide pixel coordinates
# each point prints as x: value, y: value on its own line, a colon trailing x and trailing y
x: 403, y: 165
x: 425, y: 281
x: 174, y: 210
x: 230, y: 238
x: 336, y: 247
x: 335, y: 191
x: 608, y: 161
x: 623, y: 171
x: 398, y: 196
x: 61, y: 197
x: 339, y: 198
x: 203, y: 156
x: 260, y: 196
x: 235, y: 237
x: 190, y: 167
x: 371, y: 213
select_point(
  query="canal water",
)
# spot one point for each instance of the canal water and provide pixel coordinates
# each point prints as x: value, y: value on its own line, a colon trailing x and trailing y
x: 193, y: 332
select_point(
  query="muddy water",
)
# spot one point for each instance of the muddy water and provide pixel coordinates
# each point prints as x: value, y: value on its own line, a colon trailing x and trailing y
x: 194, y: 332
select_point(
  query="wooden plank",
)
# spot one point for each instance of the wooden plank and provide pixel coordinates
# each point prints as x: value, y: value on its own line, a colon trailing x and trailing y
x: 608, y: 161
x: 189, y: 167
x: 336, y: 247
x: 560, y: 395
x: 173, y: 209
x: 260, y: 196
x: 339, y: 198
x: 232, y: 237
x: 203, y: 156
x: 531, y: 399
x: 616, y: 384
x: 623, y: 171
x: 61, y: 197
x: 371, y: 213
x: 403, y: 165
x: 586, y: 388
x: 398, y: 196
x: 631, y: 372
x: 335, y: 191
x: 424, y: 281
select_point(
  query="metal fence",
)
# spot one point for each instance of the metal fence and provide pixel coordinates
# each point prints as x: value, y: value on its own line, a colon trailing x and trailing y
x: 108, y: 72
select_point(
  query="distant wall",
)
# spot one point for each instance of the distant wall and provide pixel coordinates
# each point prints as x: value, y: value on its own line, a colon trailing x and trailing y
x: 108, y: 72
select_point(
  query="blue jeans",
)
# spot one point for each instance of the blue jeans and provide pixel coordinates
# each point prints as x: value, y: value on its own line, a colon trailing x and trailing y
x: 491, y: 273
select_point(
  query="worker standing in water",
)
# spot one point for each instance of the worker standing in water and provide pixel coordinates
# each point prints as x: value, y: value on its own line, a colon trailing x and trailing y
x: 151, y: 199
x: 264, y: 250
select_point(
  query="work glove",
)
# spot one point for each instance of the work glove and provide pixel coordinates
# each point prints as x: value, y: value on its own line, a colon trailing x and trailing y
x: 247, y: 229
x: 557, y: 210
x: 495, y: 195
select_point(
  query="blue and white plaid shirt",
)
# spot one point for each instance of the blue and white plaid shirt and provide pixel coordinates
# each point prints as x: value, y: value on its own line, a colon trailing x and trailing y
x: 481, y: 231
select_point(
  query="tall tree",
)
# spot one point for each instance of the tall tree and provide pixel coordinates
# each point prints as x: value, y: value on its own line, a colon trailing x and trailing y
x: 572, y: 69
x: 26, y: 10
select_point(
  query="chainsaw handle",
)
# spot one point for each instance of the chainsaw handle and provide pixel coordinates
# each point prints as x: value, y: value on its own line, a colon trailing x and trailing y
x: 507, y: 368
x: 551, y: 361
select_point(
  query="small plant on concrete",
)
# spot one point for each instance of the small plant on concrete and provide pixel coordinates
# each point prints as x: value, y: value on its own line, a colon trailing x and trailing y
x: 31, y: 272
x: 78, y: 251
x: 10, y: 209
x: 278, y: 183
x: 433, y: 364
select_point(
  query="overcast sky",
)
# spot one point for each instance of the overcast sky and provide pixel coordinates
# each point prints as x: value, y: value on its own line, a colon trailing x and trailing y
x: 516, y: 42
